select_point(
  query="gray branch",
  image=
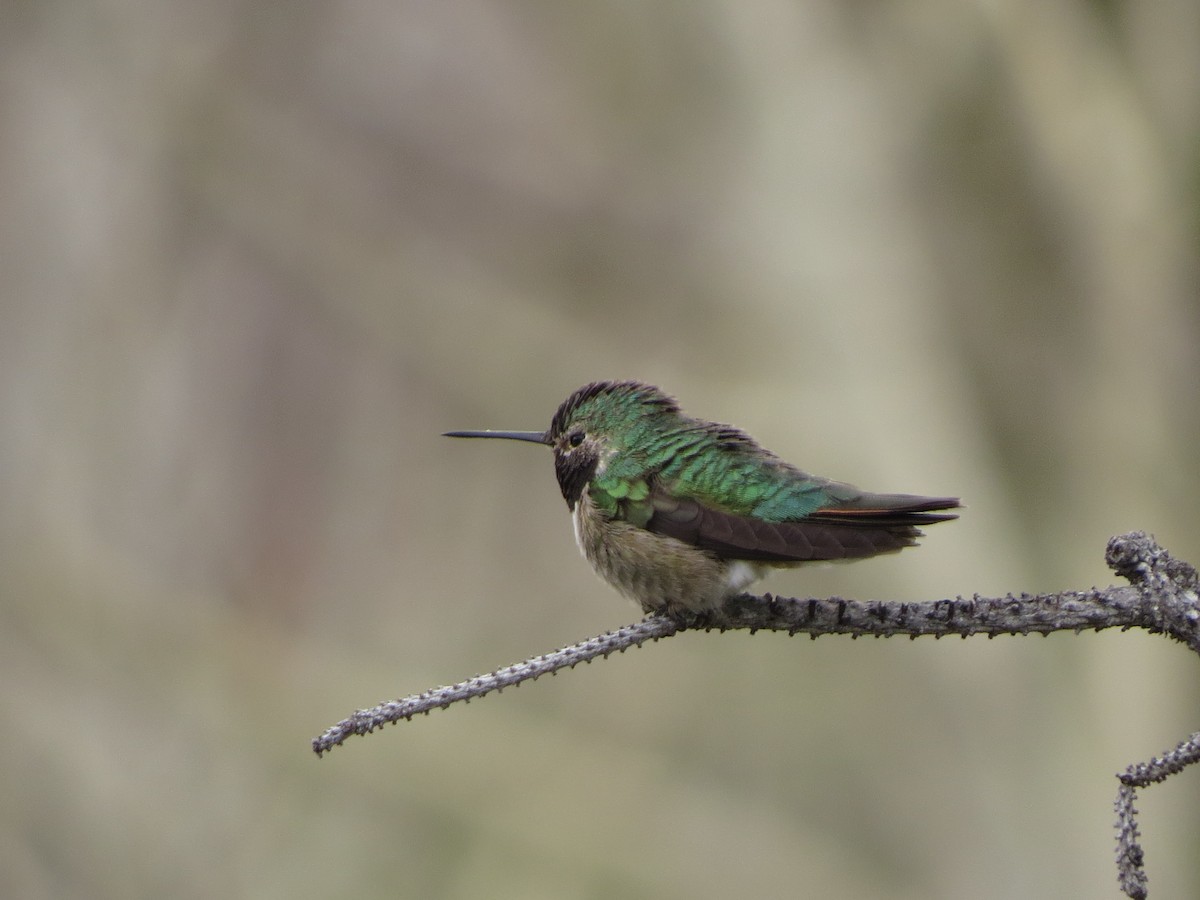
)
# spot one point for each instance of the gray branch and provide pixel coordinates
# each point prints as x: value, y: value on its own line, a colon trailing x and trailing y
x: 364, y: 721
x: 1164, y: 597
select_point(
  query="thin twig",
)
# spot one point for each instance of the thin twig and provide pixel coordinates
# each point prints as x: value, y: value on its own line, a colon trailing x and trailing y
x: 1130, y: 858
x: 364, y: 721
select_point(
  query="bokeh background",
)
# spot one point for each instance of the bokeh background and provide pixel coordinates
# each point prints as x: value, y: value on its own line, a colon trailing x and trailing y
x: 256, y: 257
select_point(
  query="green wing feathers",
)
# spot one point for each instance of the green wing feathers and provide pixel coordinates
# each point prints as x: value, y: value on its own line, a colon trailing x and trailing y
x: 713, y: 487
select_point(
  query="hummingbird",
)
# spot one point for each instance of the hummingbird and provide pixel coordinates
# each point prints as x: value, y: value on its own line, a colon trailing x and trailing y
x: 679, y: 513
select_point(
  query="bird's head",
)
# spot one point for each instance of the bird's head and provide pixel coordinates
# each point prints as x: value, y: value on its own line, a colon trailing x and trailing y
x: 599, y: 421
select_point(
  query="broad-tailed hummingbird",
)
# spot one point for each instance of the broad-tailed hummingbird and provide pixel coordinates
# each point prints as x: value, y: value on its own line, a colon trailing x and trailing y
x: 679, y: 513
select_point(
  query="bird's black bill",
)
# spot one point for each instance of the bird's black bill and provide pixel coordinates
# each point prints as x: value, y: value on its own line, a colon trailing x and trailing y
x: 534, y: 437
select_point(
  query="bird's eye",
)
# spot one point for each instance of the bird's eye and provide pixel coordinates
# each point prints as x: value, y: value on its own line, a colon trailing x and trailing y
x: 575, y: 438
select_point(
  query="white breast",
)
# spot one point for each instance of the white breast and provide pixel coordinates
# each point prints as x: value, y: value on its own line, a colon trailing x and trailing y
x: 741, y: 574
x: 577, y: 525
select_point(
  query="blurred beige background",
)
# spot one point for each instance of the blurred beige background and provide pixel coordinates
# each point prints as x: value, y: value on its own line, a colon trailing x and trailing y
x: 257, y: 257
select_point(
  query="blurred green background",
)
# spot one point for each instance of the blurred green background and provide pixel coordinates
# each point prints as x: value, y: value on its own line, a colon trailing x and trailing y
x: 256, y: 257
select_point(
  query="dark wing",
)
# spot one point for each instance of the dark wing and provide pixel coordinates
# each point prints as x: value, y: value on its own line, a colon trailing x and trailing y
x: 866, y: 526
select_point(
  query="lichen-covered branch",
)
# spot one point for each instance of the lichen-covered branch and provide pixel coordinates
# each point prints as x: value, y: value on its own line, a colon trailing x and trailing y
x: 1164, y: 597
x: 1130, y: 860
x: 1113, y: 607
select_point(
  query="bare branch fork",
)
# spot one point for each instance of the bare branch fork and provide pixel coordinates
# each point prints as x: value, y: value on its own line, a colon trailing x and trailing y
x: 1164, y: 597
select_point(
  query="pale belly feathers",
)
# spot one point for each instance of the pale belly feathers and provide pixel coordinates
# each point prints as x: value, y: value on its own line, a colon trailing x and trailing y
x: 658, y: 572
